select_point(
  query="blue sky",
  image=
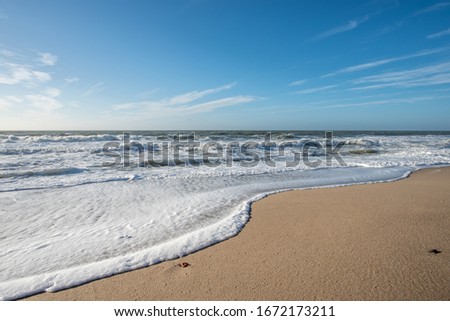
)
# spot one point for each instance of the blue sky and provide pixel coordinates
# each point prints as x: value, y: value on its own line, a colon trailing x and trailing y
x: 216, y: 64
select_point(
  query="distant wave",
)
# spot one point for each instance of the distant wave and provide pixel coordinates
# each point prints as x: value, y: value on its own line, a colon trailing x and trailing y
x: 74, y: 138
x: 59, y: 138
x: 363, y: 151
x: 360, y: 142
x: 45, y: 172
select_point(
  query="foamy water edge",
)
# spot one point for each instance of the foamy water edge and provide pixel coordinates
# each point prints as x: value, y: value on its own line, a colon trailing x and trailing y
x: 72, y: 277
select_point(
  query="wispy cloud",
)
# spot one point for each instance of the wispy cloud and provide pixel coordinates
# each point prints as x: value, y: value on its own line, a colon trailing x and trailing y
x: 174, y: 101
x: 297, y: 83
x: 147, y: 93
x: 434, y: 80
x: 8, y: 102
x: 43, y: 102
x: 407, y: 74
x: 72, y: 80
x: 218, y: 103
x: 381, y: 62
x: 47, y: 59
x: 22, y: 74
x: 437, y: 74
x: 194, y: 95
x: 435, y: 7
x: 7, y: 53
x: 183, y: 103
x: 439, y: 34
x: 94, y: 89
x: 390, y: 28
x: 46, y: 102
x: 352, y: 24
x: 20, y: 68
x: 52, y: 92
x: 24, y: 69
x: 314, y: 90
x: 374, y: 103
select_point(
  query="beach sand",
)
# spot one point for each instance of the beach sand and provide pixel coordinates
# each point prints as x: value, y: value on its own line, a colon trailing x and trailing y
x: 366, y: 242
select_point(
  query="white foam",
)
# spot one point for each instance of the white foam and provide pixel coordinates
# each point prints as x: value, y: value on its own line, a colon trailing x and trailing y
x: 70, y: 236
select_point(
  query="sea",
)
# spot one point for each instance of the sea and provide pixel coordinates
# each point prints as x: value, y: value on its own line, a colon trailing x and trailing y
x: 83, y: 205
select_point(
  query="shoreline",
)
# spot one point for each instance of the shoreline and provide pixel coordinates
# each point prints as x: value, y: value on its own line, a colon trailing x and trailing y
x: 283, y: 270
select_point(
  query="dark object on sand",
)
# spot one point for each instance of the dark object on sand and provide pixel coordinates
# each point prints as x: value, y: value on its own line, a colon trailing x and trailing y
x: 435, y: 251
x: 184, y: 264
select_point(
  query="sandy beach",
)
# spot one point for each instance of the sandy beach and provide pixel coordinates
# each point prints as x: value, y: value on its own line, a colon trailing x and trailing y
x: 365, y: 242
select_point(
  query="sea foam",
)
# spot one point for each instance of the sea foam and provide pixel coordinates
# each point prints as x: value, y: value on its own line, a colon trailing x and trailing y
x: 59, y: 238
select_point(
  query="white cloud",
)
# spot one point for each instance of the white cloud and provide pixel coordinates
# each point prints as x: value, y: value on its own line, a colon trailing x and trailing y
x: 406, y: 74
x: 47, y: 101
x: 94, y: 89
x: 435, y: 7
x: 352, y: 24
x: 7, y: 53
x: 391, y: 28
x: 439, y: 34
x: 298, y: 83
x: 440, y: 79
x: 328, y: 75
x: 22, y: 74
x: 43, y: 102
x: 9, y: 101
x: 53, y: 92
x: 315, y: 90
x: 41, y: 76
x: 425, y: 76
x: 20, y: 69
x: 218, y: 103
x: 147, y: 93
x: 194, y: 95
x: 386, y: 61
x: 72, y: 80
x: 48, y: 59
x: 173, y: 101
x: 183, y: 103
x: 374, y: 103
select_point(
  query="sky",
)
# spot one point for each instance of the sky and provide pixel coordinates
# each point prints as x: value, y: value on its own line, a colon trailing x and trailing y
x: 224, y: 64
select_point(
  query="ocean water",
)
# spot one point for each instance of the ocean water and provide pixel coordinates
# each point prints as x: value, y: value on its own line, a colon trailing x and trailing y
x: 78, y: 206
